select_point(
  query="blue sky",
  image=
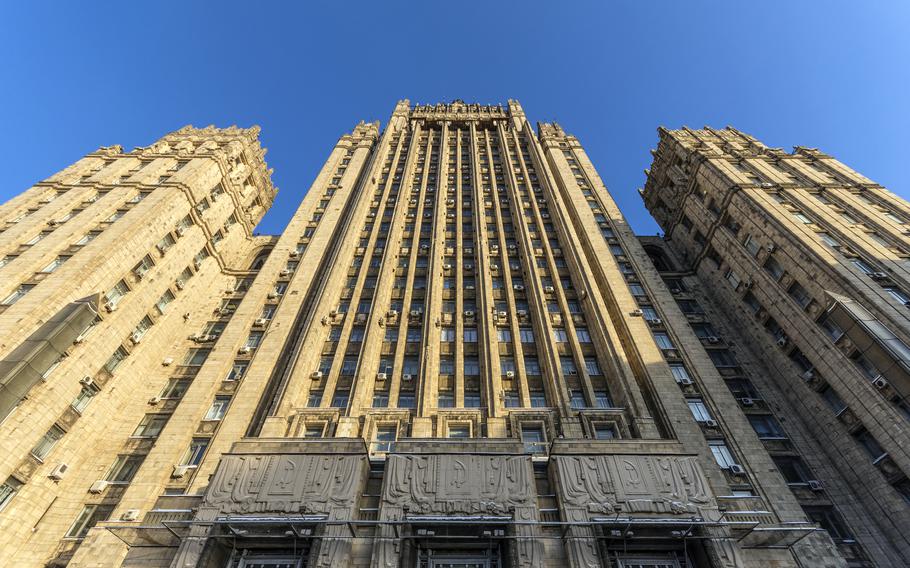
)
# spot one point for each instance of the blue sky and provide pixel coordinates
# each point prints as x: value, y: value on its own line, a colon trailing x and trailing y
x: 832, y: 74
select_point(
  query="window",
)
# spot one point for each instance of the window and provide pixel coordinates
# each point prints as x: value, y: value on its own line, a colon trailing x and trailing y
x: 577, y: 399
x: 218, y: 408
x: 752, y: 245
x: 142, y: 328
x: 526, y: 334
x: 722, y: 454
x: 314, y: 399
x: 582, y: 334
x: 792, y: 468
x: 195, y: 452
x: 698, y: 409
x: 115, y: 360
x: 722, y: 358
x: 567, y: 366
x: 17, y: 294
x: 829, y: 520
x: 83, y: 398
x: 663, y: 340
x: 592, y: 367
x: 175, y: 388
x: 447, y: 334
x: 8, y: 490
x: 470, y: 335
x: 800, y: 294
x: 116, y: 293
x: 313, y: 430
x: 559, y: 334
x: 459, y: 431
x: 774, y: 268
x: 680, y: 374
x: 863, y: 266
x: 164, y: 300
x: 124, y: 469
x: 47, y: 442
x: 90, y: 516
x: 898, y: 295
x: 406, y: 400
x: 533, y: 438
x: 445, y: 399
x: 253, y: 339
x: 166, y: 242
x: 380, y: 399
x: 870, y: 444
x: 801, y: 217
x: 766, y: 426
x: 503, y: 335
x: 604, y: 430
x: 151, y: 425
x: 55, y: 264
x: 637, y: 289
x: 446, y: 366
x: 833, y: 400
x: 196, y: 357
x: 340, y: 399
x: 349, y: 365
x: 143, y: 267
x: 384, y: 439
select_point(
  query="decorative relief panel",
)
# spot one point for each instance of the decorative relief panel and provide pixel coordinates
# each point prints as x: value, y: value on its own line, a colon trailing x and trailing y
x: 288, y: 483
x: 633, y: 484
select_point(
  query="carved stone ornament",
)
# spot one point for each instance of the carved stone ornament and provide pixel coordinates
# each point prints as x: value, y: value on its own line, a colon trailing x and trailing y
x: 285, y: 483
x: 633, y: 484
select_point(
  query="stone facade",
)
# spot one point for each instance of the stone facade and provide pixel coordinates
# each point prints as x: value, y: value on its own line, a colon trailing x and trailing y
x: 450, y: 357
x: 792, y: 270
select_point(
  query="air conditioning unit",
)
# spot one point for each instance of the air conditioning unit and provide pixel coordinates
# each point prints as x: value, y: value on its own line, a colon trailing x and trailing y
x: 510, y: 374
x: 197, y: 264
x: 469, y: 313
x: 880, y: 382
x: 294, y: 254
x: 767, y: 185
x: 549, y: 289
x: 815, y: 485
x: 204, y: 338
x: 99, y: 486
x: 686, y: 381
x: 135, y: 338
x: 86, y: 381
x: 285, y: 272
x: 655, y: 321
x: 180, y: 284
x: 502, y: 314
x: 415, y: 313
x: 808, y: 375
x: 273, y: 295
x: 782, y: 341
x: 736, y: 469
x: 518, y: 287
x: 381, y: 376
x: 407, y: 377
x: 878, y: 275
x: 522, y: 313
x: 154, y: 400
x: 260, y: 322
x: 58, y: 472
x: 447, y: 267
x: 494, y: 267
x: 747, y: 401
x: 180, y: 471
x: 469, y: 266
x: 110, y: 307
x: 771, y: 248
x: 573, y: 372
x: 180, y: 231
x: 713, y: 339
x: 317, y: 374
x: 245, y: 350
x: 167, y: 361
x: 393, y: 313
x: 635, y: 313
x: 711, y: 423
x: 53, y: 222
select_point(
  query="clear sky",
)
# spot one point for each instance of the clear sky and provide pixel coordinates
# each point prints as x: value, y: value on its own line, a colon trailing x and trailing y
x: 830, y: 74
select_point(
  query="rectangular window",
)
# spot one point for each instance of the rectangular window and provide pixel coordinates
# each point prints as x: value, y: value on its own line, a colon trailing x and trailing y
x: 196, y: 357
x: 164, y: 300
x: 604, y: 431
x: 533, y: 438
x: 384, y: 440
x: 663, y: 341
x: 90, y: 516
x: 680, y: 374
x: 124, y: 469
x: 83, y: 398
x: 218, y: 408
x: 175, y: 388
x: 340, y: 399
x: 774, y: 268
x: 470, y: 335
x: 8, y: 490
x: 119, y: 355
x: 766, y: 426
x: 151, y: 425
x: 47, y: 442
x: 722, y: 454
x: 17, y: 294
x: 698, y: 409
x: 459, y: 430
x: 195, y: 452
x: 55, y: 264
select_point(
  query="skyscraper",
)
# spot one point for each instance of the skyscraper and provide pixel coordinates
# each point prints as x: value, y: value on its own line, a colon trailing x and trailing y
x: 793, y: 269
x: 456, y: 354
